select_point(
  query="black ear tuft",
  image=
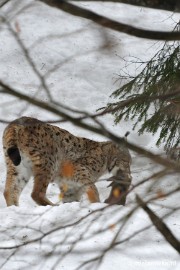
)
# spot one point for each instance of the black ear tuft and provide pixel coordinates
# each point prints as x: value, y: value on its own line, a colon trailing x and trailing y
x: 14, y: 155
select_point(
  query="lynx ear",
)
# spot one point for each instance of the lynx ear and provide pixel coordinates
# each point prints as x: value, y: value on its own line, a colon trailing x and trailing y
x: 14, y: 155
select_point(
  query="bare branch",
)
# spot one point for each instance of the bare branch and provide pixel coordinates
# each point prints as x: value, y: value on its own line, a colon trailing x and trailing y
x: 156, y: 158
x: 160, y: 225
x: 171, y: 5
x: 29, y: 59
x: 111, y: 24
x: 4, y: 3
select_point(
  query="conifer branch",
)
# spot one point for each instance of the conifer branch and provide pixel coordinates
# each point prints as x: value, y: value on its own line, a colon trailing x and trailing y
x: 152, y: 98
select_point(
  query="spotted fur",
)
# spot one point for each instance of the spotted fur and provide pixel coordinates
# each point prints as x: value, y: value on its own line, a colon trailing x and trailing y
x: 49, y: 153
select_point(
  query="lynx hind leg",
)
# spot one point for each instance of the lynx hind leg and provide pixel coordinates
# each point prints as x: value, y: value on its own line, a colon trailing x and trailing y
x: 41, y: 182
x: 15, y: 183
x: 42, y: 177
x: 77, y: 183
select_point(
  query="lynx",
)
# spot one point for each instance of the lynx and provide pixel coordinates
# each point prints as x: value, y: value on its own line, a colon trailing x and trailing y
x: 49, y: 153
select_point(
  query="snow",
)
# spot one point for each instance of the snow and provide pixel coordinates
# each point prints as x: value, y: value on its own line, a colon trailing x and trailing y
x: 82, y: 74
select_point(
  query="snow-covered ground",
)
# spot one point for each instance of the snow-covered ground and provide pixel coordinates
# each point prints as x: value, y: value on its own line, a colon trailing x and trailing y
x: 81, y: 73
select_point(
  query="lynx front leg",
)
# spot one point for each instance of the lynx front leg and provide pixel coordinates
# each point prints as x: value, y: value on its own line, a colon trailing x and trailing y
x: 84, y: 178
x: 92, y: 193
x: 121, y: 181
x: 77, y: 181
x: 69, y: 192
x: 72, y: 194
